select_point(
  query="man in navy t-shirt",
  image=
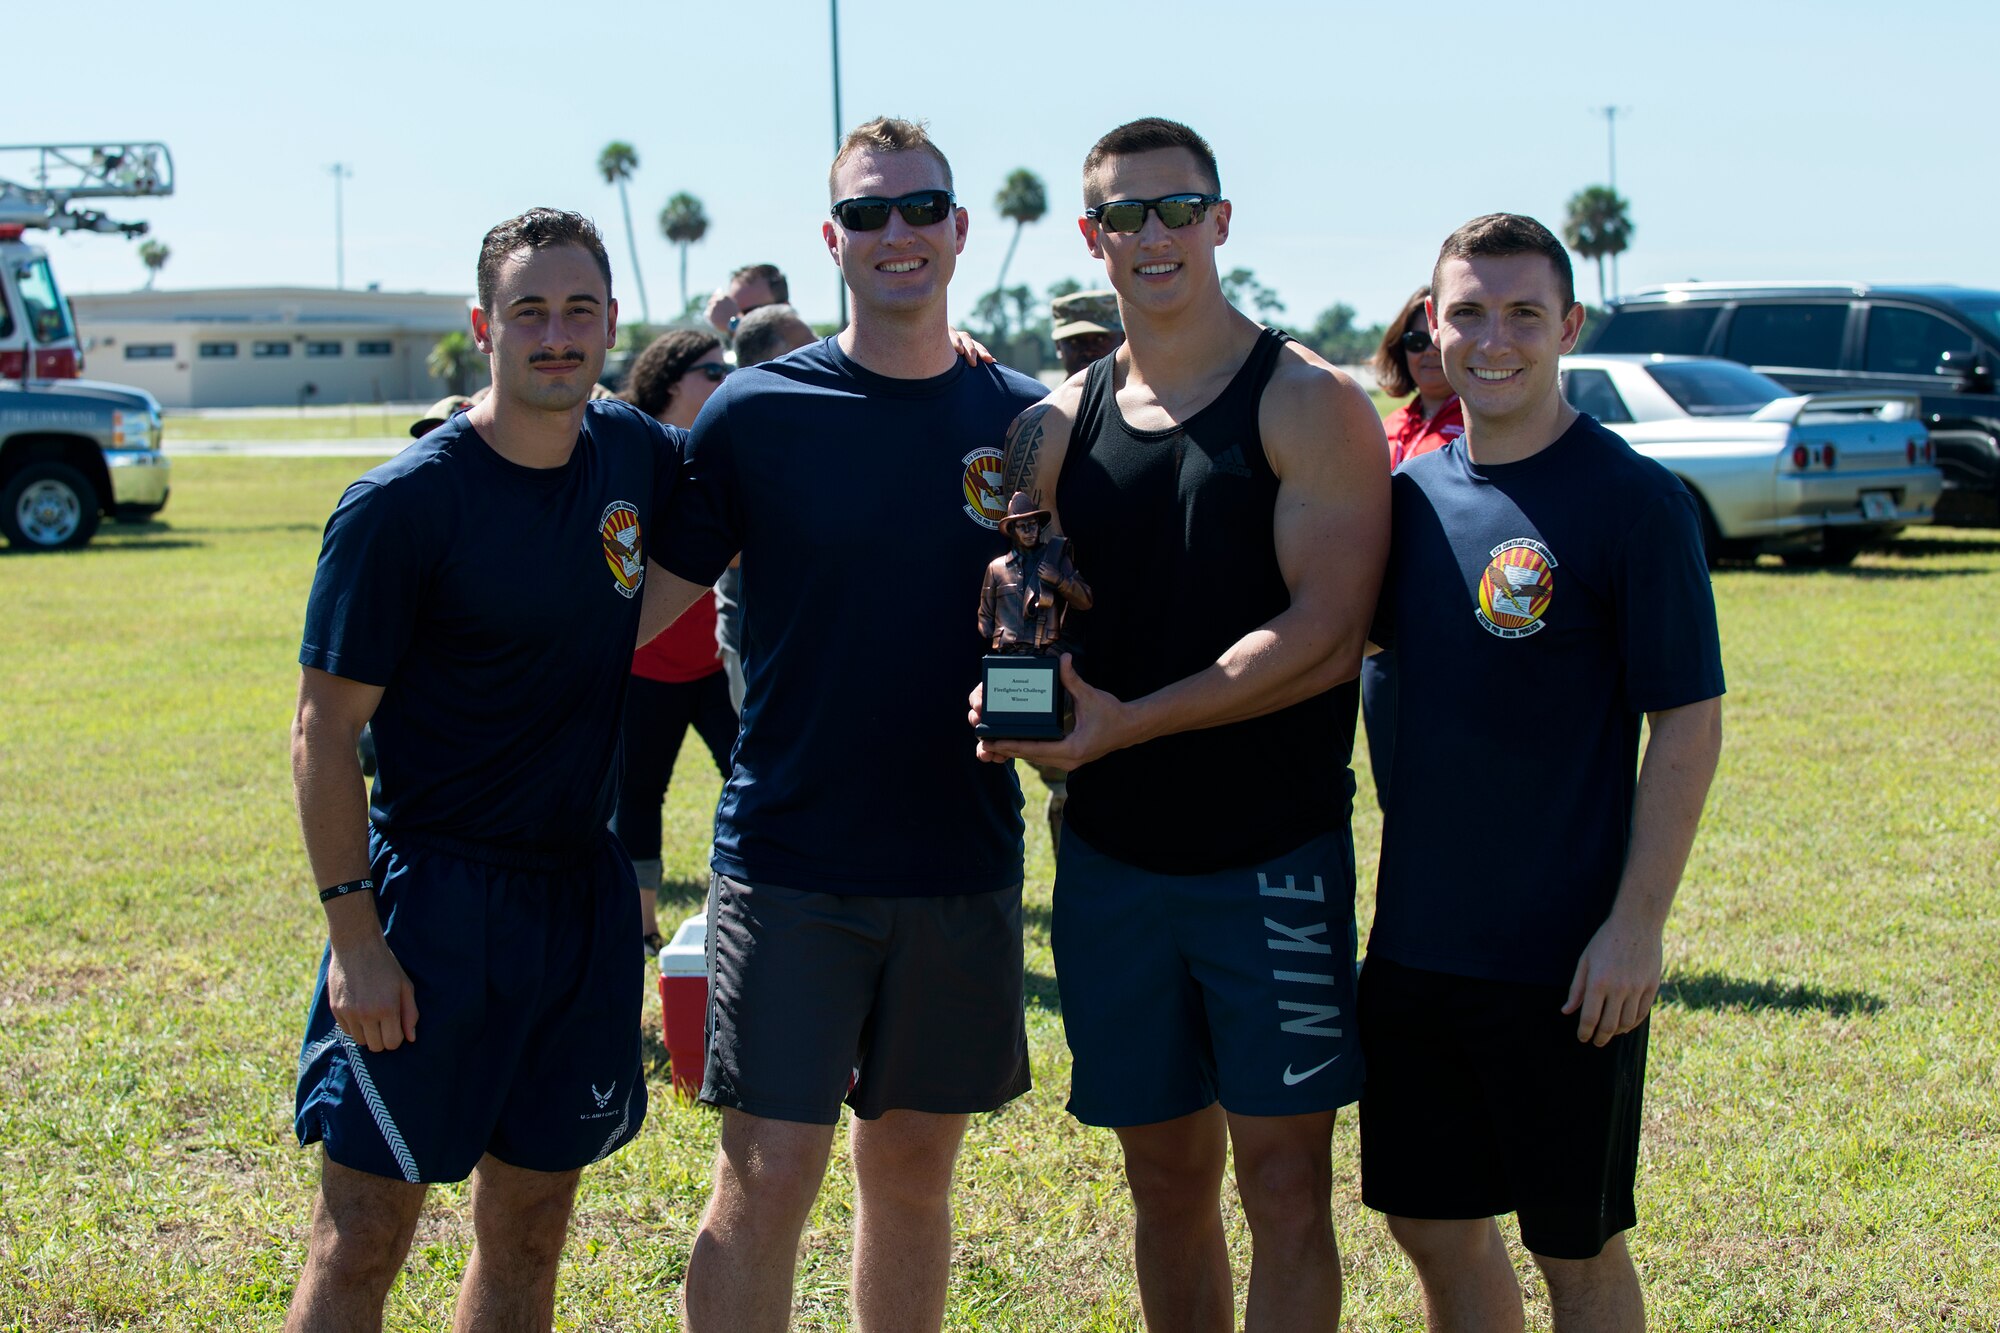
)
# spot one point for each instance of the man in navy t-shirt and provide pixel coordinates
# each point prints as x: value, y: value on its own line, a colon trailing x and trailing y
x: 865, y: 911
x: 478, y: 598
x: 1546, y: 587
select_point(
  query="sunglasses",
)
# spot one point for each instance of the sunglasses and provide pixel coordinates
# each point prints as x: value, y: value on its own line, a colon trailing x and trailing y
x: 1415, y: 341
x: 713, y: 371
x: 1175, y: 211
x: 925, y: 208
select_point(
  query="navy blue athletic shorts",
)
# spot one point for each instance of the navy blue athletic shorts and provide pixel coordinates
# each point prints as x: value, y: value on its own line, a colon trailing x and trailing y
x: 528, y: 987
x: 1182, y: 990
x: 1482, y: 1101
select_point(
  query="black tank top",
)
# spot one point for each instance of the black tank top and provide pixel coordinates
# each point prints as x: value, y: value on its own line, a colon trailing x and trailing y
x: 1172, y: 530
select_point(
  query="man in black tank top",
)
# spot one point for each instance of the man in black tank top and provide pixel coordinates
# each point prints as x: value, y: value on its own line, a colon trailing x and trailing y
x: 1226, y: 491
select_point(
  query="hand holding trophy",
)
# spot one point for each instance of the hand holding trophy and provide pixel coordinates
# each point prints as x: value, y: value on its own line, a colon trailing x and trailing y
x: 1027, y: 594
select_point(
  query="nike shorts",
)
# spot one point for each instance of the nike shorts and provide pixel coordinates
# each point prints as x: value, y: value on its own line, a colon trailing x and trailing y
x: 1482, y: 1101
x: 1182, y: 990
x: 886, y: 1003
x: 528, y: 987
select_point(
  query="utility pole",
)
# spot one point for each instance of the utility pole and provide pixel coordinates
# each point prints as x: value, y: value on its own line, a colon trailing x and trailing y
x: 1610, y: 114
x: 340, y: 171
x: 839, y: 131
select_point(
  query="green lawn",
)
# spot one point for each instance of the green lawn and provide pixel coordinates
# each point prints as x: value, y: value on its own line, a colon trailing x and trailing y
x: 367, y: 422
x: 1823, y: 1134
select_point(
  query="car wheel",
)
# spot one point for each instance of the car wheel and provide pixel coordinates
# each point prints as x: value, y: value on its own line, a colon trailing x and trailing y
x: 49, y: 507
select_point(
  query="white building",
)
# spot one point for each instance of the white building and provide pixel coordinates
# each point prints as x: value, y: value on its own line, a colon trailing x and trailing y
x: 269, y: 346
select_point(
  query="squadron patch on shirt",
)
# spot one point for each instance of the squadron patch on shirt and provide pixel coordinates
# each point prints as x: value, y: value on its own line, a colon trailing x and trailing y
x: 1516, y: 587
x: 624, y: 549
x: 980, y: 481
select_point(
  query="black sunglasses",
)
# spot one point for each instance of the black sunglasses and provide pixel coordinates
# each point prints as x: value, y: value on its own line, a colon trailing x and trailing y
x: 1415, y: 341
x: 1175, y: 211
x: 713, y: 370
x: 925, y: 208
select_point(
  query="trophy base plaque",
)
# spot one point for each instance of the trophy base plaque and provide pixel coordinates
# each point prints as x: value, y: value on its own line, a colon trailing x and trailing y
x: 1024, y: 700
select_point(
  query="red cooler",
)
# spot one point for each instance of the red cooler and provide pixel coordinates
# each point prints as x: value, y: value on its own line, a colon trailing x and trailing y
x: 684, y: 1002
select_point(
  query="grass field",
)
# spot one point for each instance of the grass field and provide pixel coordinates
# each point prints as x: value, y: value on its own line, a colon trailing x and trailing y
x: 1822, y: 1134
x: 366, y: 422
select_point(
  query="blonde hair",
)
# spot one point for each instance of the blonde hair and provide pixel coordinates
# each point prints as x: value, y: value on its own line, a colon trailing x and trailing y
x: 885, y: 134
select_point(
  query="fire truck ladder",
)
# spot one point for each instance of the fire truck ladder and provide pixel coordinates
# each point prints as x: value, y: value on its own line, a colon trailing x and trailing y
x: 40, y: 182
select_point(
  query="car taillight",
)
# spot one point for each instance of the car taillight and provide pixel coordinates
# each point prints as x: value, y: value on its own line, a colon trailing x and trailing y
x: 56, y: 363
x: 1800, y: 457
x: 13, y: 365
x: 1930, y: 451
x: 1826, y: 455
x: 1910, y: 453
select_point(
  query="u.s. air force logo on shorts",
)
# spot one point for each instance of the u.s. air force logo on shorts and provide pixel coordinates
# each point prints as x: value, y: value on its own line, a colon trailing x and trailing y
x: 624, y: 549
x: 979, y: 479
x: 1515, y: 589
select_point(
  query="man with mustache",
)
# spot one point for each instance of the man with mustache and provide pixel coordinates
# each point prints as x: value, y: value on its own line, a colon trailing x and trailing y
x: 478, y: 598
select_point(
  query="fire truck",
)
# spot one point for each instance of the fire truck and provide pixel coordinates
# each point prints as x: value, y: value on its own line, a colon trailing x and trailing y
x: 71, y: 450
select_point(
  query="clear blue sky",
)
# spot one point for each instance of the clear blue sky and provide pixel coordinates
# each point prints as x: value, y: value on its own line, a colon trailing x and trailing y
x: 1763, y: 139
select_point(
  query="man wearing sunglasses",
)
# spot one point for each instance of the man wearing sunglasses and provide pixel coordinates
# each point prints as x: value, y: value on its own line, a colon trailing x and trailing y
x: 858, y: 953
x: 1233, y: 489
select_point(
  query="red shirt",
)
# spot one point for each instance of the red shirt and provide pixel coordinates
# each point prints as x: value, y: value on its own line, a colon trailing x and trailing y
x: 685, y: 650
x: 1410, y: 433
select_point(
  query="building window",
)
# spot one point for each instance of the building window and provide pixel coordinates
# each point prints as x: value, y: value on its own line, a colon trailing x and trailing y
x: 381, y: 348
x: 273, y: 349
x: 218, y: 351
x: 149, y: 351
x: 323, y: 349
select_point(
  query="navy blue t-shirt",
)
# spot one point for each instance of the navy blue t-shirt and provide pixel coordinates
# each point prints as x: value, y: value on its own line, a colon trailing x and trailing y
x: 497, y: 606
x: 866, y: 509
x: 1537, y: 609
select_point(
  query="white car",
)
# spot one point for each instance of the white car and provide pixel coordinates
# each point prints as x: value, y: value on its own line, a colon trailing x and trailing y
x: 1814, y: 478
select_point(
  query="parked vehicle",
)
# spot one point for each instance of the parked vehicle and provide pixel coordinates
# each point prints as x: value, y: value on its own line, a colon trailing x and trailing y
x: 1940, y: 343
x: 1815, y: 478
x: 72, y: 451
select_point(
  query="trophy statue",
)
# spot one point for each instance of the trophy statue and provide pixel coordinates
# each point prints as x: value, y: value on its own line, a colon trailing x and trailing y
x: 1021, y: 610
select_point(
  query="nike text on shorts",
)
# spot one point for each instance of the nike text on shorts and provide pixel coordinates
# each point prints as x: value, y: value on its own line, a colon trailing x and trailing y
x: 887, y: 1003
x: 1182, y: 990
x: 528, y: 987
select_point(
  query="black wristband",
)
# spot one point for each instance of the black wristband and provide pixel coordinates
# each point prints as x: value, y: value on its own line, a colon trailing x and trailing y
x: 352, y: 886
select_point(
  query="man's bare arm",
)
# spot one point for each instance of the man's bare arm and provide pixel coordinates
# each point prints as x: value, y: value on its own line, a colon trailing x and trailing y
x: 1037, y: 442
x: 371, y: 997
x: 663, y: 599
x: 1618, y: 977
x: 1331, y: 530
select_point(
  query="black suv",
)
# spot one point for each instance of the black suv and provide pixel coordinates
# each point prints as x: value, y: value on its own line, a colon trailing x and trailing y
x: 1940, y: 343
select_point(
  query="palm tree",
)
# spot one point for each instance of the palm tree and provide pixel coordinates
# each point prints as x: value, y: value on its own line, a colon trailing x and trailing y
x: 154, y: 256
x: 1599, y: 225
x: 616, y: 164
x: 683, y: 222
x: 452, y: 359
x: 1023, y: 198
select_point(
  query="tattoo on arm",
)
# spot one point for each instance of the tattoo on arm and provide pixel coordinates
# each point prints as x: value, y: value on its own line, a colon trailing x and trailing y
x: 1024, y: 447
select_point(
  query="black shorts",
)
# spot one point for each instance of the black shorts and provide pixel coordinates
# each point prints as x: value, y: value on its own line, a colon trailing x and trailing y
x: 1480, y: 1100
x: 886, y: 1003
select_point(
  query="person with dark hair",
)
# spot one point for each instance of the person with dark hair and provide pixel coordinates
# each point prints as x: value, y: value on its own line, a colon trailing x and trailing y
x: 858, y: 954
x: 1406, y: 362
x: 1546, y: 588
x: 749, y: 288
x: 1227, y: 491
x: 677, y: 679
x: 477, y: 598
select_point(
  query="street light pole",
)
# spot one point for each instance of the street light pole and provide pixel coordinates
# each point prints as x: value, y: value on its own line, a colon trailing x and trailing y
x: 340, y: 171
x: 838, y: 131
x: 1610, y: 114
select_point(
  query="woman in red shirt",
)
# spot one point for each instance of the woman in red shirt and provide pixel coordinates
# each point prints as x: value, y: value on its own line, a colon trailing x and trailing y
x: 677, y: 679
x: 1406, y: 362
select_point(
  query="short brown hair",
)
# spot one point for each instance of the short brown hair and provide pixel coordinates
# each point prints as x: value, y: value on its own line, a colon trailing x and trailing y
x: 1498, y: 234
x: 657, y: 369
x: 1146, y: 136
x: 1392, y: 370
x: 886, y: 134
x: 771, y: 275
x: 538, y: 229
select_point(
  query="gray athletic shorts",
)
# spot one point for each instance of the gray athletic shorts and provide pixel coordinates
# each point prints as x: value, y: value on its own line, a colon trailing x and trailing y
x: 885, y: 1003
x: 1179, y: 991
